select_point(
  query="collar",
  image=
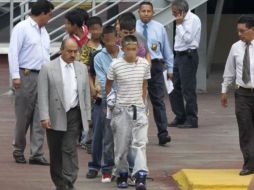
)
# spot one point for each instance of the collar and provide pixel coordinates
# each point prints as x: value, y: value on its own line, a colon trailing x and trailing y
x: 64, y: 64
x: 33, y: 23
x: 143, y: 24
x: 188, y: 15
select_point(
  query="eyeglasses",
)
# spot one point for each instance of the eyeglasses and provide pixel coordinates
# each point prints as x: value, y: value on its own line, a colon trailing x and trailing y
x: 243, y: 31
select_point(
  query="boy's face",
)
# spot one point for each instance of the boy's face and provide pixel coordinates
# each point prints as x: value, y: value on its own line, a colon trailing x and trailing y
x: 96, y: 31
x: 124, y: 32
x: 69, y: 27
x: 109, y: 40
x: 130, y: 50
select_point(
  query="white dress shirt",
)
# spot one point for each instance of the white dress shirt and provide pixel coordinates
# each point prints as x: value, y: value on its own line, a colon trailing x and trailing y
x: 188, y: 33
x: 234, y: 66
x: 70, y: 86
x: 29, y: 47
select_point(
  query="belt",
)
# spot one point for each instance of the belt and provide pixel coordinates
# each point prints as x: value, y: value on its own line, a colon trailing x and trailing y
x: 186, y: 52
x: 249, y: 90
x: 134, y: 112
x: 29, y: 70
x: 157, y: 60
x: 75, y: 108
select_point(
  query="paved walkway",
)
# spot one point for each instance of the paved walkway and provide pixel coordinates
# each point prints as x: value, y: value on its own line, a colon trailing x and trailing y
x: 213, y: 145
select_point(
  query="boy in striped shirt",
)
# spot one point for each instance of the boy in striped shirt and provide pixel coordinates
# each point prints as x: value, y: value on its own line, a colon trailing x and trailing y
x: 129, y: 120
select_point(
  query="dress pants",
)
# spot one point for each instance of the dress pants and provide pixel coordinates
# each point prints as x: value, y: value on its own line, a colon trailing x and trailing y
x: 244, y: 110
x: 63, y: 151
x: 183, y: 99
x: 27, y: 115
x: 156, y: 92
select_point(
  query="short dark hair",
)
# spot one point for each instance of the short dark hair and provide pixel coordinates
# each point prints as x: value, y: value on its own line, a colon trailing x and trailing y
x: 247, y: 20
x: 77, y: 17
x: 41, y: 6
x: 127, y: 21
x: 94, y: 20
x: 84, y: 14
x: 181, y: 5
x: 145, y: 3
x: 109, y: 30
x: 129, y: 39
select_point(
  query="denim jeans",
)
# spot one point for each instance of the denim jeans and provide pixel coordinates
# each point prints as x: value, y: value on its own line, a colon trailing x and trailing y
x: 102, y: 144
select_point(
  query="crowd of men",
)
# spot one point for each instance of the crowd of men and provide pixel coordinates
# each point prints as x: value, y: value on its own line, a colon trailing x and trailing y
x: 95, y: 93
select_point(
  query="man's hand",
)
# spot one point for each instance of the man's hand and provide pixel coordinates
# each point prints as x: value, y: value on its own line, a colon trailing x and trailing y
x: 179, y: 18
x: 46, y: 124
x: 16, y: 83
x: 170, y: 76
x: 224, y: 100
x: 93, y: 92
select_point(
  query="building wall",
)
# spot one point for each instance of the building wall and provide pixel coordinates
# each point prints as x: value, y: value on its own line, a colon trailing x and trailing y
x: 227, y: 35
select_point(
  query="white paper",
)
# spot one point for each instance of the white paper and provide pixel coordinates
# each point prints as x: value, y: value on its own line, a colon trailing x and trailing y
x: 168, y: 83
x: 109, y: 113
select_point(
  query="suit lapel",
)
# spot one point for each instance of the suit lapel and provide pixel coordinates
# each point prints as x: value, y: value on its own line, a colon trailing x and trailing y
x: 58, y: 78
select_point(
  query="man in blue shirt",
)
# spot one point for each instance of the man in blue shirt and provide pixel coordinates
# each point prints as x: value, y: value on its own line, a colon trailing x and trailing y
x: 28, y: 51
x: 162, y: 57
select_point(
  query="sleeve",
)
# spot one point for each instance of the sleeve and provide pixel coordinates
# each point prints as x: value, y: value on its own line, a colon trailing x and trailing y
x: 167, y: 51
x: 43, y: 93
x: 111, y: 74
x: 15, y: 47
x: 229, y: 72
x: 189, y: 29
x: 100, y: 74
x: 147, y: 70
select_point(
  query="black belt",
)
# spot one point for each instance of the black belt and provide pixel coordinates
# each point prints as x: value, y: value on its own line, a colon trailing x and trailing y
x: 249, y: 90
x: 76, y: 108
x: 134, y: 112
x: 157, y: 61
x: 30, y: 70
x: 186, y: 52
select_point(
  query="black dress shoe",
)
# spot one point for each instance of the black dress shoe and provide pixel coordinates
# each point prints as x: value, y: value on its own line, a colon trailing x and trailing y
x: 61, y: 188
x: 246, y: 172
x: 39, y: 161
x: 91, y: 174
x: 175, y: 123
x: 187, y: 125
x: 164, y: 140
x: 19, y: 159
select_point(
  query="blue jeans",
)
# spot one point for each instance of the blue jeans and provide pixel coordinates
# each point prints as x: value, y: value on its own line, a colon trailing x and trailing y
x: 102, y: 143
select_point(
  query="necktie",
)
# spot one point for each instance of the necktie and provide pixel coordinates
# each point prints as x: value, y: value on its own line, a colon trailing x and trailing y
x: 68, y: 86
x: 246, y: 65
x: 145, y: 31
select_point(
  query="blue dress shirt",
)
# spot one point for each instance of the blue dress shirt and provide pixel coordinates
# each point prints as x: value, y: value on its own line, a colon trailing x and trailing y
x: 102, y: 62
x: 157, y: 41
x: 29, y: 47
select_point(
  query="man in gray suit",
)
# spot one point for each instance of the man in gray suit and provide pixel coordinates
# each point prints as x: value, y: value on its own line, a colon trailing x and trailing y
x: 64, y: 107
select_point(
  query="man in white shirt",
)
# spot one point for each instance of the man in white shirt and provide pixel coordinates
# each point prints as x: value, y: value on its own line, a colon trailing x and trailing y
x: 188, y: 30
x: 240, y: 68
x: 64, y: 107
x: 28, y: 51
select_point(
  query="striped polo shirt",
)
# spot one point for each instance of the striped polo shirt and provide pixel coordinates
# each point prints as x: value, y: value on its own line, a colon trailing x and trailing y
x: 129, y: 79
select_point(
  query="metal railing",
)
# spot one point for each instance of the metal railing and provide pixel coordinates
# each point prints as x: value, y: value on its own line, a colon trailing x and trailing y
x: 25, y: 11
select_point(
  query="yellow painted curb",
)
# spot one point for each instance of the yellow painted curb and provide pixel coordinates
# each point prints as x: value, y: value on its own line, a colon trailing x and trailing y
x: 211, y: 179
